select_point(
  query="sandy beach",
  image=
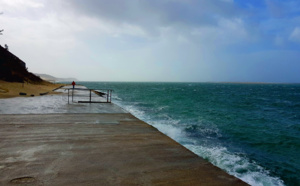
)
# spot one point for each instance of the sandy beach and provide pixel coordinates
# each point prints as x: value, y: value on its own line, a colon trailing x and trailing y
x: 13, y: 89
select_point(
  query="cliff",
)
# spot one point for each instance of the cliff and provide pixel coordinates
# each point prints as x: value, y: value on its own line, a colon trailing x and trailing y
x: 12, y: 69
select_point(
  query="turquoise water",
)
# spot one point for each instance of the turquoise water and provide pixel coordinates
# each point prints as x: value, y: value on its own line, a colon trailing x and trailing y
x: 251, y: 131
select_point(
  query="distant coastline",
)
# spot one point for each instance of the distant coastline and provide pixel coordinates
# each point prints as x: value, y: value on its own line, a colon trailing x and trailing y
x: 51, y: 78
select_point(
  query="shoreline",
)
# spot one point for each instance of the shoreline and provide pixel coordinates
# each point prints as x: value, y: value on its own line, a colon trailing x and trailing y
x: 16, y: 89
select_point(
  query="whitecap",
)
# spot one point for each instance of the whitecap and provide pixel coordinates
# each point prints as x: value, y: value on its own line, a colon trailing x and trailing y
x: 236, y: 164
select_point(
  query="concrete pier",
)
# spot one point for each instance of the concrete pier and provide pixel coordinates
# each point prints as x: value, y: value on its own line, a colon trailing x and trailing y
x: 97, y: 149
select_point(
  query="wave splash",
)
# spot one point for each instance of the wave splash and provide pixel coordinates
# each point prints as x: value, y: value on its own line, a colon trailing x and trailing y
x: 236, y: 164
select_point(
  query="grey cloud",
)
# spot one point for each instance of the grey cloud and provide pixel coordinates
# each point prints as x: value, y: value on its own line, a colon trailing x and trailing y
x: 157, y: 13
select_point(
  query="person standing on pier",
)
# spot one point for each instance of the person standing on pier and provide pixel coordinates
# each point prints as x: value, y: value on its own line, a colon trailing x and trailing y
x: 73, y: 83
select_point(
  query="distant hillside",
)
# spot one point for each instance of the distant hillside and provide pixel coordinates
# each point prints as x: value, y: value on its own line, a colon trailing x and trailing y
x: 48, y: 77
x: 12, y: 69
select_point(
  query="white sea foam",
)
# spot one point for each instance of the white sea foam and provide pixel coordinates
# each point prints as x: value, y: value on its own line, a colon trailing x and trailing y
x: 115, y: 97
x: 137, y: 113
x: 171, y: 131
x: 237, y: 165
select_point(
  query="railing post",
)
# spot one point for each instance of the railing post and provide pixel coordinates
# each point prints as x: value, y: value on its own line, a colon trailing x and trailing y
x: 68, y: 96
x: 110, y: 95
x: 107, y: 95
x: 90, y: 95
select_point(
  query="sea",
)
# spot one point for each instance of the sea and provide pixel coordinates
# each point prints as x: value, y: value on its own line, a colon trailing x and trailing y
x: 251, y: 131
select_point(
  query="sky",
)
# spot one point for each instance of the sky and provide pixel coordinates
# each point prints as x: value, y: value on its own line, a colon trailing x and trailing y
x: 156, y: 40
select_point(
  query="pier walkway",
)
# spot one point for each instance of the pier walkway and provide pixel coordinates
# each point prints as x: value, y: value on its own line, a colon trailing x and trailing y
x: 97, y: 149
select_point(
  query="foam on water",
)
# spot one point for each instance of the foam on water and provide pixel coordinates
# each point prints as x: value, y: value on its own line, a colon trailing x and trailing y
x: 235, y: 164
x: 169, y: 130
x: 115, y: 97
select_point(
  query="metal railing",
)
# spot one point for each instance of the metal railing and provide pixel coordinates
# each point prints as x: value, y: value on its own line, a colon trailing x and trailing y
x: 83, y: 95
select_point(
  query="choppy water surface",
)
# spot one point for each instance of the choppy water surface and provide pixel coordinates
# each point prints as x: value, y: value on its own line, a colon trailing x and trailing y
x: 252, y: 131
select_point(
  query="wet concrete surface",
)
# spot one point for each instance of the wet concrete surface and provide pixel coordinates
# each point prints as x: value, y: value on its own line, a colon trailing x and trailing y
x: 97, y: 149
x: 54, y: 104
